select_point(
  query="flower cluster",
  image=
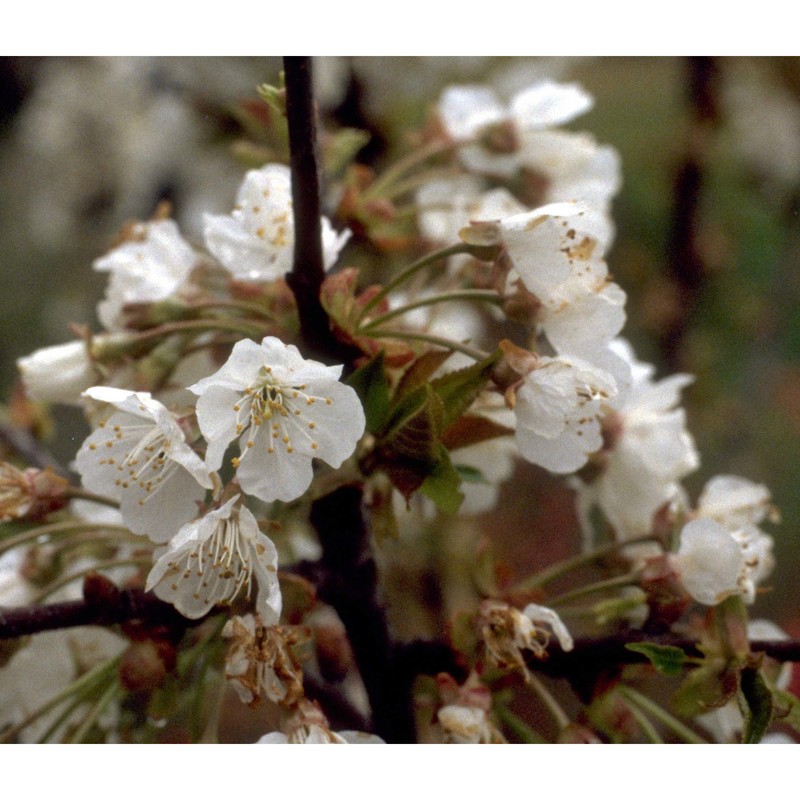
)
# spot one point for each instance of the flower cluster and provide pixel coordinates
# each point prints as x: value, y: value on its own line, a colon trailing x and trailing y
x: 222, y: 431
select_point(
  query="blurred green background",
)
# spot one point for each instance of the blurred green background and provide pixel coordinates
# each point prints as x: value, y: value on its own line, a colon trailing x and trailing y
x: 707, y: 247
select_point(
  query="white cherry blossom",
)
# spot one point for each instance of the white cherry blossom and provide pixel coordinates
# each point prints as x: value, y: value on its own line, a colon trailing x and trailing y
x: 555, y: 243
x: 256, y: 241
x: 307, y: 724
x: 46, y: 665
x: 559, y: 408
x: 318, y: 734
x: 215, y: 559
x: 139, y: 456
x: 149, y: 266
x: 737, y: 506
x: 284, y: 411
x: 567, y: 166
x: 734, y: 502
x: 649, y: 451
x: 467, y: 725
x: 474, y: 113
x: 447, y: 205
x: 709, y: 561
x: 723, y: 551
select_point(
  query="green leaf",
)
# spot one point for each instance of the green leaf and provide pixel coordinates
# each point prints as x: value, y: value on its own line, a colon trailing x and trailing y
x: 459, y: 389
x: 473, y: 429
x: 420, y: 371
x: 755, y: 703
x: 668, y: 660
x: 412, y: 429
x: 408, y: 448
x: 372, y: 387
x: 443, y: 485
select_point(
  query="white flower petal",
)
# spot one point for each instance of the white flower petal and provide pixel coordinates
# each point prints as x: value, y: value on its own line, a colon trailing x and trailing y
x: 57, y: 374
x: 538, y: 613
x: 545, y: 104
x: 558, y: 409
x: 140, y: 457
x: 256, y: 241
x: 214, y: 559
x: 709, y: 561
x: 284, y: 411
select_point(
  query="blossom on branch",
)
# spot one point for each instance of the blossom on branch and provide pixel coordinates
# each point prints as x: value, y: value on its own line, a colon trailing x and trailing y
x: 260, y: 661
x: 492, y: 131
x: 648, y: 450
x: 723, y: 552
x: 255, y: 242
x: 307, y: 724
x: 139, y: 456
x: 284, y: 410
x: 214, y: 560
x: 559, y: 408
x: 507, y: 632
x: 149, y: 266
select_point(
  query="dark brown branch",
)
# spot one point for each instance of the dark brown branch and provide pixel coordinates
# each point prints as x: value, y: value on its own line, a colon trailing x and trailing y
x: 308, y: 270
x: 349, y: 583
x: 351, y: 588
x: 592, y: 656
x: 685, y: 260
x: 108, y: 608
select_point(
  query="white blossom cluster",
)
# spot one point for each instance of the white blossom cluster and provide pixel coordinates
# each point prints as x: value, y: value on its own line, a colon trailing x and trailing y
x: 284, y: 411
x: 255, y: 421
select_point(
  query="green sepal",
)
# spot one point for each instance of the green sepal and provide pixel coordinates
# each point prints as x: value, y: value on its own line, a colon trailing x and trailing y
x: 755, y: 703
x: 667, y: 659
x: 730, y: 626
x: 709, y: 686
x: 786, y: 707
x: 372, y: 388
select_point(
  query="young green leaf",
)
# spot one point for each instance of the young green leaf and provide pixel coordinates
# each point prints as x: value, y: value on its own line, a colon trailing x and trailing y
x: 372, y: 387
x: 668, y: 660
x: 443, y: 484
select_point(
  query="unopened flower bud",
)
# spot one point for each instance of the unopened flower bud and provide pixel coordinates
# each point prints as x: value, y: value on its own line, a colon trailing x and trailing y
x: 142, y: 667
x: 333, y: 652
x: 58, y: 374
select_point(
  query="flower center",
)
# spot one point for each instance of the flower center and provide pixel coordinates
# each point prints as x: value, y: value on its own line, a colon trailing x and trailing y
x: 220, y: 566
x: 146, y: 464
x: 273, y: 413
